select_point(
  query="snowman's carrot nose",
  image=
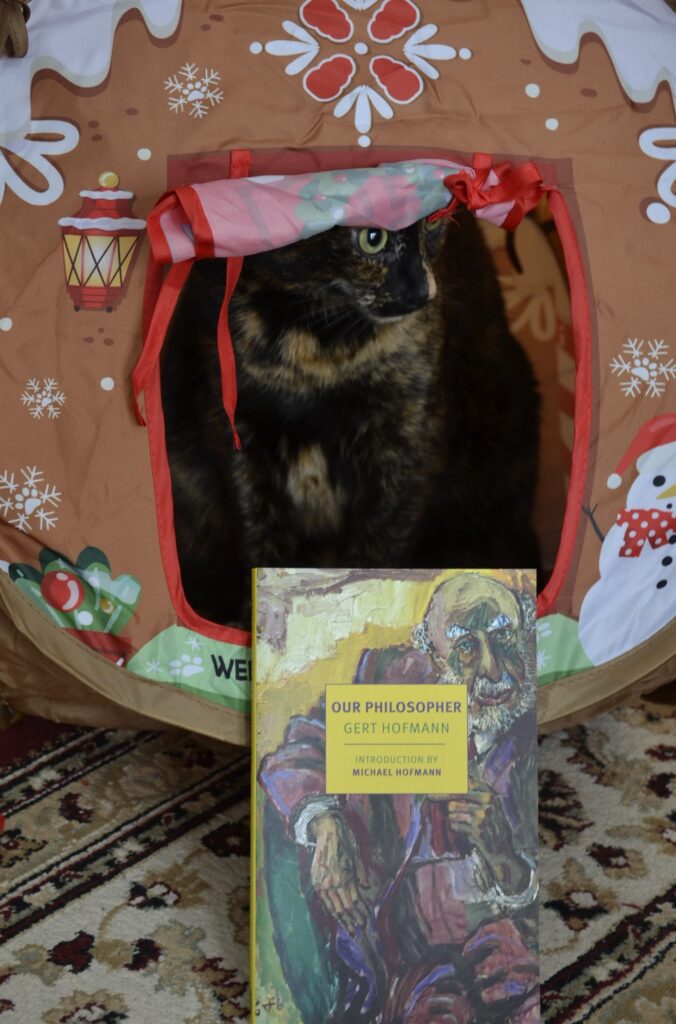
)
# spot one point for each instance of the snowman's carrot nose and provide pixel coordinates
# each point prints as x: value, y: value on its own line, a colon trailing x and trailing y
x: 670, y: 492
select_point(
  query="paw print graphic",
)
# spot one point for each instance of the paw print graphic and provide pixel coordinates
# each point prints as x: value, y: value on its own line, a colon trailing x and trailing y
x: 27, y: 500
x: 185, y: 666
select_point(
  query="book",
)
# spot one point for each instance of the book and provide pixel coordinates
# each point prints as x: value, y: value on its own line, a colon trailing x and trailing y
x: 394, y: 797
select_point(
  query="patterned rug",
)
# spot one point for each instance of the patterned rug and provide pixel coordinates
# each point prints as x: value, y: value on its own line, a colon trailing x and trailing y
x: 124, y: 874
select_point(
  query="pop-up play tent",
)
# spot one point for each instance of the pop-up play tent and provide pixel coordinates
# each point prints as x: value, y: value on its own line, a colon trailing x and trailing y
x: 139, y: 135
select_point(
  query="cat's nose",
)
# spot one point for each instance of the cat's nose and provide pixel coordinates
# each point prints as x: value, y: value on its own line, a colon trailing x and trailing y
x: 422, y: 290
x: 422, y: 287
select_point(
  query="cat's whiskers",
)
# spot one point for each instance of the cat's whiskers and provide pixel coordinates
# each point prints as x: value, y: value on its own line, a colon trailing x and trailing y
x: 303, y: 314
x: 339, y: 316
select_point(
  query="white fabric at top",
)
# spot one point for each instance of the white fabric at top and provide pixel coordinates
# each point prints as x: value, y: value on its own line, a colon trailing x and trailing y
x: 639, y: 35
x: 75, y: 39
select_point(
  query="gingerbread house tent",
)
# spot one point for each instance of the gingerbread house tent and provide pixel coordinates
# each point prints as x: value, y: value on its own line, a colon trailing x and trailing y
x: 135, y: 135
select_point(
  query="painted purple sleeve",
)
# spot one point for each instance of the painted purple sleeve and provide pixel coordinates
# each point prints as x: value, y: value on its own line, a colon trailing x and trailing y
x: 296, y: 771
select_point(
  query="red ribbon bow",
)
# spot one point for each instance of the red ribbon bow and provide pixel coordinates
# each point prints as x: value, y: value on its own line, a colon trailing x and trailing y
x: 521, y: 185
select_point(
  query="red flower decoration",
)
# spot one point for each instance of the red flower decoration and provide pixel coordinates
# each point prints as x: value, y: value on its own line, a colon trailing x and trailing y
x: 379, y: 23
x: 328, y: 18
x: 329, y: 79
x: 399, y: 82
x: 393, y: 19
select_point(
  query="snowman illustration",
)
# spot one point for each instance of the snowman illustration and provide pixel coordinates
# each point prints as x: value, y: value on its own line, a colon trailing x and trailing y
x: 635, y: 595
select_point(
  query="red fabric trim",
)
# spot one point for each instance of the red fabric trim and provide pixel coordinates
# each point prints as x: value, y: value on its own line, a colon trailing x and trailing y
x: 164, y: 513
x: 159, y: 325
x: 226, y: 352
x: 582, y: 336
x: 240, y: 163
x: 156, y: 236
x: 160, y: 300
x: 151, y: 291
x: 521, y: 185
x: 193, y: 168
x: 204, y: 239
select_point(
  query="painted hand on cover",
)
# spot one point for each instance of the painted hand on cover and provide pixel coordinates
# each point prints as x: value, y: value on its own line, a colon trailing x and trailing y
x: 503, y: 967
x: 337, y: 873
x: 478, y: 815
x: 479, y: 818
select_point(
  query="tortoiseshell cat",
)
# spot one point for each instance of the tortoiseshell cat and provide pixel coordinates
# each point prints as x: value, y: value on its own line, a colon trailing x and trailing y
x: 387, y: 416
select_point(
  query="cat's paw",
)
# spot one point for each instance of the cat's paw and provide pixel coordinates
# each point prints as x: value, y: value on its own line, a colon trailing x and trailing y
x: 185, y: 666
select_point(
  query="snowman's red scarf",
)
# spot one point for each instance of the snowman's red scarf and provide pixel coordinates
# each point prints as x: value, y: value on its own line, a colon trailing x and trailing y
x: 653, y: 525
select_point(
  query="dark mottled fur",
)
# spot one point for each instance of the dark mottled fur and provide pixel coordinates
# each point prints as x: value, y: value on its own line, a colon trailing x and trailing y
x: 366, y: 440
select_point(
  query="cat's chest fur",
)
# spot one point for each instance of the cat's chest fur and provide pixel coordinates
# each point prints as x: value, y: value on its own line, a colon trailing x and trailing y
x: 318, y: 499
x: 330, y: 415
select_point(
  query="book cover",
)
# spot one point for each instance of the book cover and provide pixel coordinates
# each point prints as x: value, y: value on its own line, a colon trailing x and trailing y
x: 394, y: 874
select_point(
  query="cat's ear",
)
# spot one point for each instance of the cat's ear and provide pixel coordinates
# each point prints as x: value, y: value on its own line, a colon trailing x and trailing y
x: 433, y: 230
x: 432, y: 235
x: 434, y: 225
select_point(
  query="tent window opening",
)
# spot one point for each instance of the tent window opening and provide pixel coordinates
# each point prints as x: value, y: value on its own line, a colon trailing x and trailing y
x: 266, y: 202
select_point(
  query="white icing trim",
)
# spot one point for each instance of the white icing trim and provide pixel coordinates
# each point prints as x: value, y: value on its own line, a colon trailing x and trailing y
x: 105, y: 223
x: 639, y: 38
x: 74, y: 39
x: 100, y: 194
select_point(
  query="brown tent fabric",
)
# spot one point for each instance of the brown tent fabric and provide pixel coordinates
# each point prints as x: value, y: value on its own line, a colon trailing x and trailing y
x: 113, y: 105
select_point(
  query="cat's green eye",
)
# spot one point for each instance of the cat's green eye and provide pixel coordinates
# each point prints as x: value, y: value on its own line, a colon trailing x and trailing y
x: 372, y: 240
x: 433, y: 225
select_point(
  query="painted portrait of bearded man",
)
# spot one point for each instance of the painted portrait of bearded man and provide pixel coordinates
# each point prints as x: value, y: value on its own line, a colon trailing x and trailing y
x: 426, y: 906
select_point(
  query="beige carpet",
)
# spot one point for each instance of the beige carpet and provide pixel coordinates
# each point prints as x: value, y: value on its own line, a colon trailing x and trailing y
x: 124, y: 875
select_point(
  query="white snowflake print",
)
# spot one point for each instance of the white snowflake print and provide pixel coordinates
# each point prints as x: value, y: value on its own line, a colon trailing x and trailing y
x: 643, y: 368
x: 543, y: 632
x: 194, y: 90
x: 194, y: 643
x: 543, y: 660
x: 43, y: 398
x: 29, y: 502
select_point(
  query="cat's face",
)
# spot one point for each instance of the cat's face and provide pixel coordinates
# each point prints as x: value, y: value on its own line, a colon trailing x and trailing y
x: 383, y: 275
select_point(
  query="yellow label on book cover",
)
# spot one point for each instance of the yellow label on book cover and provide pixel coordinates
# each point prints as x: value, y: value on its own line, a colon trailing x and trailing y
x: 396, y: 739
